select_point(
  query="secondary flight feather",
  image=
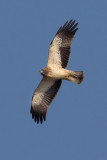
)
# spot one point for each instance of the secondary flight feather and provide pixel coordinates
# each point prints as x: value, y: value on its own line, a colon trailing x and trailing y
x: 55, y: 72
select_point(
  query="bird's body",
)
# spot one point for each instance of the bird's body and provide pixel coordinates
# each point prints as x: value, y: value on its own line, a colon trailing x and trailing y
x: 55, y: 72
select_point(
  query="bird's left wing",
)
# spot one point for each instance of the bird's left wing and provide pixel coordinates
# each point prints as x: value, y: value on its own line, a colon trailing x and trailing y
x: 59, y: 50
x: 43, y: 96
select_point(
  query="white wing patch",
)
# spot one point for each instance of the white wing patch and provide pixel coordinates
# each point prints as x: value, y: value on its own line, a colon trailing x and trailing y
x: 37, y: 99
x: 54, y: 52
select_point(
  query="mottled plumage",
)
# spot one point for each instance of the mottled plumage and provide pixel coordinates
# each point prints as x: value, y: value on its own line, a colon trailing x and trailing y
x: 55, y: 72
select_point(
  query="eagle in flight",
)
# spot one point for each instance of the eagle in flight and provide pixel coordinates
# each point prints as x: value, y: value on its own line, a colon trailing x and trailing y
x: 55, y: 72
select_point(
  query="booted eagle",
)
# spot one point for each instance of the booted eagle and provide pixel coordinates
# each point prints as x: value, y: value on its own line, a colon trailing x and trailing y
x: 55, y: 72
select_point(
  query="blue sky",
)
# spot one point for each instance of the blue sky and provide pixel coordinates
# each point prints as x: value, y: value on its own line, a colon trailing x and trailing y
x: 76, y: 126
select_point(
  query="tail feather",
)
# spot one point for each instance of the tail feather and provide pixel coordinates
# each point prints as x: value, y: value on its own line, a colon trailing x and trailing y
x: 76, y: 76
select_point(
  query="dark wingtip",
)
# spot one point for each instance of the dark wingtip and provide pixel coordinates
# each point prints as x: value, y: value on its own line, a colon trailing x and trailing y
x: 69, y: 26
x: 38, y: 116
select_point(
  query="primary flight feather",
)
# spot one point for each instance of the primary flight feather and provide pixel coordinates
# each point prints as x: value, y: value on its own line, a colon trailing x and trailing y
x: 55, y: 72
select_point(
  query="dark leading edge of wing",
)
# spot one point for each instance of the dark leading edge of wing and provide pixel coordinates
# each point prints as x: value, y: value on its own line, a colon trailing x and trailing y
x: 39, y: 111
x: 66, y: 33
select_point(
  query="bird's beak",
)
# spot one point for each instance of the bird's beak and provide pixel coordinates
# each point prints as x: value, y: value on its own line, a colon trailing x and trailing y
x: 41, y: 71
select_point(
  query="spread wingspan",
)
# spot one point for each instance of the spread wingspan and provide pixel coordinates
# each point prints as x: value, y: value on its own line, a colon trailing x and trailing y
x: 55, y: 72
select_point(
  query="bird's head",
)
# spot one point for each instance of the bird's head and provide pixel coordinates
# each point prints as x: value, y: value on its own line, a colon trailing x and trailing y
x: 44, y: 72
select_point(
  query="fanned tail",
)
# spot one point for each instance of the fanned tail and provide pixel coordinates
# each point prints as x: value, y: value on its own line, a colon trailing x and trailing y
x: 76, y: 77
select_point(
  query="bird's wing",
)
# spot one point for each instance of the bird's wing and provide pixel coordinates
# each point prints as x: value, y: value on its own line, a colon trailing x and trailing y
x: 59, y: 50
x: 43, y: 96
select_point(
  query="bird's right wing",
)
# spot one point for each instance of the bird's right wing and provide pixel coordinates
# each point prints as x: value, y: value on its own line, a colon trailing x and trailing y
x: 59, y: 50
x: 43, y: 96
